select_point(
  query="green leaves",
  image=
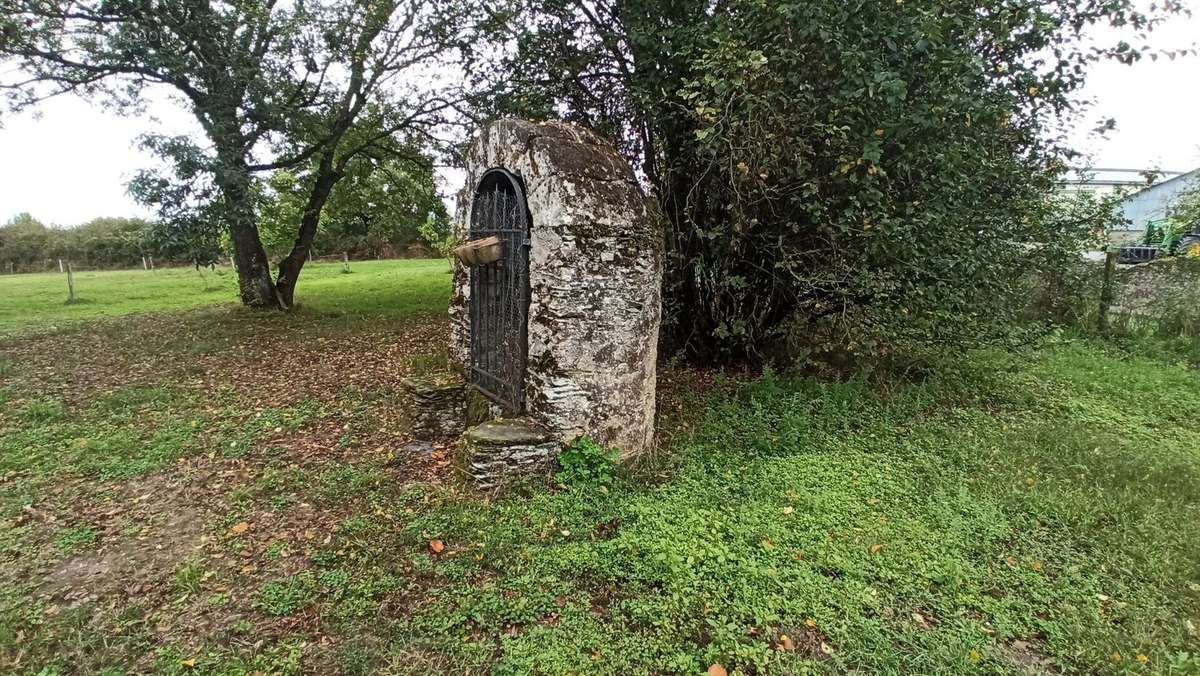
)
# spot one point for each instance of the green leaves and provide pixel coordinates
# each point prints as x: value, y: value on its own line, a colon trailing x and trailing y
x: 587, y: 464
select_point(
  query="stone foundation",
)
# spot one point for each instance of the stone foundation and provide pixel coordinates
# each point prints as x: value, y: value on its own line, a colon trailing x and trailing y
x: 439, y: 408
x: 496, y: 452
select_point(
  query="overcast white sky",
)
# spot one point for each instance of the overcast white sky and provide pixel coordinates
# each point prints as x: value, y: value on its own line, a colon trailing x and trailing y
x: 71, y: 164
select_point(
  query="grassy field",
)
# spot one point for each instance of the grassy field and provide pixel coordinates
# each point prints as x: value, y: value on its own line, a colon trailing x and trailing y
x: 219, y: 491
x: 388, y: 288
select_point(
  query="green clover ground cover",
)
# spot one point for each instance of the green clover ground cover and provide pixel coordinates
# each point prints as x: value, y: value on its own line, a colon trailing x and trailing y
x: 1001, y: 516
x: 1007, y: 514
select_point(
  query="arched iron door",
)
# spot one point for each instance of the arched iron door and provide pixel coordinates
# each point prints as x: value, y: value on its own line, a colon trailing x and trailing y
x: 500, y: 292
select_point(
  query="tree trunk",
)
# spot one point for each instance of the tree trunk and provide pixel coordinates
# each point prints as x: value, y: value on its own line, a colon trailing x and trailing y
x: 289, y: 268
x: 254, y: 270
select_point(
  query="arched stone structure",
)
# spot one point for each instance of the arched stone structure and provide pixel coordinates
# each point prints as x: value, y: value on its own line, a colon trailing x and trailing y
x: 594, y: 279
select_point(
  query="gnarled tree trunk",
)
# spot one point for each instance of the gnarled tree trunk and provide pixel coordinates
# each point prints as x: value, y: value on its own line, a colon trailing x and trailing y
x: 254, y: 270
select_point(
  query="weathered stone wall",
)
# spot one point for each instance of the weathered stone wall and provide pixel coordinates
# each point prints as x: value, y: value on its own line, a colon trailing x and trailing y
x: 595, y: 280
x: 1164, y: 291
x: 438, y: 408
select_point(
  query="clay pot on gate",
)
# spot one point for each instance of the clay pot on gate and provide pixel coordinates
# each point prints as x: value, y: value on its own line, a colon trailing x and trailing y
x: 479, y: 251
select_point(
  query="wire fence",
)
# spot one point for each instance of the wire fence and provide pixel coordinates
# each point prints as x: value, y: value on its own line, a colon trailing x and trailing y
x: 148, y: 263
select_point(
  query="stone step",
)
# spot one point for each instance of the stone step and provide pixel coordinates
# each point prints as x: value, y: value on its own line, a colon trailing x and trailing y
x: 497, y: 452
x: 438, y: 407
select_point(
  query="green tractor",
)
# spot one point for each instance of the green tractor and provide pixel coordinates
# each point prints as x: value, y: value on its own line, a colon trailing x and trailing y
x: 1164, y: 237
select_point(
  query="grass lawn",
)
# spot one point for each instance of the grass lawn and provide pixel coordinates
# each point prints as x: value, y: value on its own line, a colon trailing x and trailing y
x: 220, y: 491
x: 387, y: 288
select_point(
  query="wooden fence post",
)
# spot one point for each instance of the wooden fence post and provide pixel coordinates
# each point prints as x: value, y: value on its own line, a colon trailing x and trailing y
x: 1106, y: 291
x: 60, y: 265
x: 70, y: 284
x: 152, y: 262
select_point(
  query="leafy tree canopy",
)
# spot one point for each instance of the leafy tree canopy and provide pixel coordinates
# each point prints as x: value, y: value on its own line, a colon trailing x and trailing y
x: 854, y: 172
x: 273, y: 86
x: 377, y: 209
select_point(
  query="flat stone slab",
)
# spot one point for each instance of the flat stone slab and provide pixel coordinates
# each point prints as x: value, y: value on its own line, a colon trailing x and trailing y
x: 507, y: 433
x: 413, y: 449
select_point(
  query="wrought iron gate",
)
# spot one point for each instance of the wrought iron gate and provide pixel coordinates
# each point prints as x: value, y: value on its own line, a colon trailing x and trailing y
x: 500, y: 292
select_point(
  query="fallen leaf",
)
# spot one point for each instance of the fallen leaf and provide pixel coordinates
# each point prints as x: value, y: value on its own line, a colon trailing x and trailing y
x: 974, y: 655
x: 810, y: 623
x: 788, y: 510
x: 717, y: 670
x: 239, y: 528
x: 874, y: 549
x: 826, y: 648
x: 437, y: 546
x: 786, y: 643
x: 189, y: 663
x: 1116, y: 656
x: 1142, y: 658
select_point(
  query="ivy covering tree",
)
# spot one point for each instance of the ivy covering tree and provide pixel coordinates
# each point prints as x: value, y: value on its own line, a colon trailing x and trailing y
x: 849, y: 174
